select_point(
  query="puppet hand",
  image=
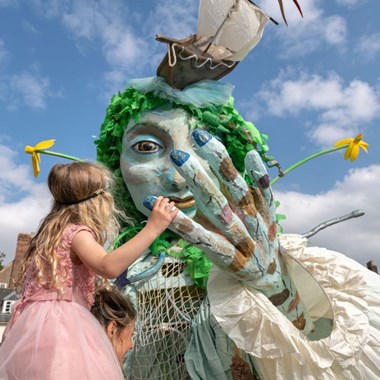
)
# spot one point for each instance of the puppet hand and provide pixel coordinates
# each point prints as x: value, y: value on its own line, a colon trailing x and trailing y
x: 236, y: 224
x: 244, y: 216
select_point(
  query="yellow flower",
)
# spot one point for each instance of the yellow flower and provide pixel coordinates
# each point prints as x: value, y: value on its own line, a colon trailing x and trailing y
x: 34, y: 151
x: 352, y: 151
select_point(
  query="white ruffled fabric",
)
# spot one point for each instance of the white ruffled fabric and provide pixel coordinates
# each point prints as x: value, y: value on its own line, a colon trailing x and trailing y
x: 332, y: 286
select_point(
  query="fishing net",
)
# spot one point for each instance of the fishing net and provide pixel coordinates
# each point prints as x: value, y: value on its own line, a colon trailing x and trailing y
x: 167, y: 303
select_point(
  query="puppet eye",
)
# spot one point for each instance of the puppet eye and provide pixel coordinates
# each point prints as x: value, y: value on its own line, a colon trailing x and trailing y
x: 146, y: 147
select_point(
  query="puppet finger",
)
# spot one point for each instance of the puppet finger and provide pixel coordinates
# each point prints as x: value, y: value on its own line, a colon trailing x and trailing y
x: 242, y: 199
x: 257, y: 172
x: 242, y: 264
x: 211, y: 202
x: 214, y: 152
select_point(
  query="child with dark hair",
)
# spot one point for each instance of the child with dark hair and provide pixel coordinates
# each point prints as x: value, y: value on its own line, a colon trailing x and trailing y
x: 117, y: 315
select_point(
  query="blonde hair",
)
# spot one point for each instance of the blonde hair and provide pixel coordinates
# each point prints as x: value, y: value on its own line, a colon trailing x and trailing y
x: 110, y: 305
x: 81, y: 196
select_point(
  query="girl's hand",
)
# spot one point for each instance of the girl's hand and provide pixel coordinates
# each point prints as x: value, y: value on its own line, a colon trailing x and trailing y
x: 163, y: 212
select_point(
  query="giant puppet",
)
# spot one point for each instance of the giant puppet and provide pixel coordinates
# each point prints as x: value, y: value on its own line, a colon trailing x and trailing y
x: 230, y: 299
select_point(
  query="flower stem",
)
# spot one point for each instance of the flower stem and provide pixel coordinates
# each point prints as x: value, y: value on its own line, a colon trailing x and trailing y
x: 299, y: 163
x: 50, y: 153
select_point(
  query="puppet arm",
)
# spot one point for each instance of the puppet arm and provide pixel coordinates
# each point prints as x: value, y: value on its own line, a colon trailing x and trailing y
x: 235, y: 224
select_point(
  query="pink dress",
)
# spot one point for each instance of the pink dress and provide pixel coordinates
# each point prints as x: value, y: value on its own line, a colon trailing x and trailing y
x: 52, y: 335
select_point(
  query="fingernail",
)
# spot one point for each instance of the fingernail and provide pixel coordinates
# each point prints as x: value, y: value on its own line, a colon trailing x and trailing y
x: 201, y: 137
x: 149, y: 202
x: 179, y: 157
x: 264, y: 181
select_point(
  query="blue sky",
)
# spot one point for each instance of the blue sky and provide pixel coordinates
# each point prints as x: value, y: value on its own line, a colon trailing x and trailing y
x: 306, y: 86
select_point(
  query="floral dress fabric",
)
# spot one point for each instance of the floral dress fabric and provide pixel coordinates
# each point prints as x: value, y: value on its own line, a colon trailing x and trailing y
x: 52, y: 335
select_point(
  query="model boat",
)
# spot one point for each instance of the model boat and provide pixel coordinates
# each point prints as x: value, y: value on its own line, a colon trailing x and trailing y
x: 227, y: 31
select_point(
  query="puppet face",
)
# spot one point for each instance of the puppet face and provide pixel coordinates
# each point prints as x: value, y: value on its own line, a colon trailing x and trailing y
x: 145, y: 162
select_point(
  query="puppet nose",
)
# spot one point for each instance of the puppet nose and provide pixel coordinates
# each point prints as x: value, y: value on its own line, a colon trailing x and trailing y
x: 175, y: 179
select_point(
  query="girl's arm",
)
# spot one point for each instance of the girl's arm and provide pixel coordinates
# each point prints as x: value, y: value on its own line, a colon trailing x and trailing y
x: 109, y: 265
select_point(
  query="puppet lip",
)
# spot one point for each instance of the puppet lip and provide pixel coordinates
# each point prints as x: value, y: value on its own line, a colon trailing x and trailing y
x: 187, y: 202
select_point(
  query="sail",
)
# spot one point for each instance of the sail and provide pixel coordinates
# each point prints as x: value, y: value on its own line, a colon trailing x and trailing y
x: 237, y: 25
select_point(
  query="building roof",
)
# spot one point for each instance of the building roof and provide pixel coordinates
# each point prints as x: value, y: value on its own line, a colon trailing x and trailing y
x: 7, y: 294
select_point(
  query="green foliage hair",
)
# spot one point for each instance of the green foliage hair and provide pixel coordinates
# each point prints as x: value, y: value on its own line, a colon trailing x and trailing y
x: 224, y: 122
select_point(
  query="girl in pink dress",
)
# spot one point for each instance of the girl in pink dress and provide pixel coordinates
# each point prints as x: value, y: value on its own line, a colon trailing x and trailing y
x: 52, y: 335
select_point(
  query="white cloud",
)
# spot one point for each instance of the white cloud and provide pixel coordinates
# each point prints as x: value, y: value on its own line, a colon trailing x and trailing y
x: 111, y: 26
x: 341, y: 108
x: 32, y: 89
x: 8, y: 3
x: 368, y: 46
x: 28, y: 88
x: 82, y: 20
x: 349, y: 3
x: 357, y: 238
x: 177, y: 20
x: 23, y: 201
x: 335, y: 30
x: 326, y: 134
x: 99, y: 26
x: 123, y: 49
x: 125, y: 38
x: 15, y: 176
x: 49, y: 8
x: 313, y: 32
x: 112, y: 79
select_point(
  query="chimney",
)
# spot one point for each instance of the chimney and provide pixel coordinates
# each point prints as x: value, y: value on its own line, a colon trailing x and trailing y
x: 372, y: 266
x: 23, y: 242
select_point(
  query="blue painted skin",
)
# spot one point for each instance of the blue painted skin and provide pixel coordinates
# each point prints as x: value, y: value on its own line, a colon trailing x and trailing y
x: 239, y: 227
x: 179, y: 157
x: 149, y: 202
x: 201, y: 137
x: 246, y: 227
x: 122, y: 280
